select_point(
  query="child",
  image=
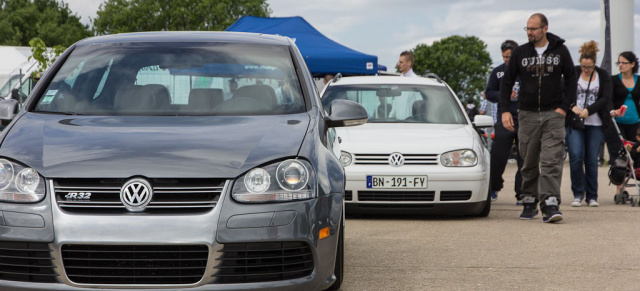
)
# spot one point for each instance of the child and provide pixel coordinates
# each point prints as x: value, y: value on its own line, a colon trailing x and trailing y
x: 634, y: 149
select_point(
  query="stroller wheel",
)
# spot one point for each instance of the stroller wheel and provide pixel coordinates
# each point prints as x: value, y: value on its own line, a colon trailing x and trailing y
x: 634, y: 201
x: 616, y: 198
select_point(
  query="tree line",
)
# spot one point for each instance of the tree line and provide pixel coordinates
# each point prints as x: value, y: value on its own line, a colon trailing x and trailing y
x: 463, y: 62
x: 54, y: 23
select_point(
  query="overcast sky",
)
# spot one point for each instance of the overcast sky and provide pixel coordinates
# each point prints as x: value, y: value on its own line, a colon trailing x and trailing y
x: 387, y: 27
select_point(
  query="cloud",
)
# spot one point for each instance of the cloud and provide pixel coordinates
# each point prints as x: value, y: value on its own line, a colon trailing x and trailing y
x: 385, y: 28
x: 86, y: 9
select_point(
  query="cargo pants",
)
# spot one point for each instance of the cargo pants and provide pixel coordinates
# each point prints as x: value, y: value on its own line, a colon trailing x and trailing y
x: 542, y: 144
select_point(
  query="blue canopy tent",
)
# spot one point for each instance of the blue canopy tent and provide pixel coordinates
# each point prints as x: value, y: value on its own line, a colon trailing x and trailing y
x: 322, y: 55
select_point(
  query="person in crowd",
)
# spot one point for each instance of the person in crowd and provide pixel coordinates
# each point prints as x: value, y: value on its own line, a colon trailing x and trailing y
x: 626, y: 91
x: 284, y: 93
x: 634, y: 150
x: 405, y: 64
x: 488, y: 107
x: 402, y: 106
x: 593, y: 94
x: 547, y: 89
x: 491, y: 109
x: 233, y: 86
x: 327, y: 78
x: 504, y: 139
x: 471, y: 109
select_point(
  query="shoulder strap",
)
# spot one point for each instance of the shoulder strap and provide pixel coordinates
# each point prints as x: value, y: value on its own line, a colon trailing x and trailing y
x: 588, y: 84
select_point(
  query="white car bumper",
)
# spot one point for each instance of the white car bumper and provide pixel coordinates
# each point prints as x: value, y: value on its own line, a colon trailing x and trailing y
x: 448, y: 190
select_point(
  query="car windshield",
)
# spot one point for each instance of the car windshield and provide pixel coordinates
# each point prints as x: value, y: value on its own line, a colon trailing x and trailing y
x: 175, y: 79
x: 401, y: 103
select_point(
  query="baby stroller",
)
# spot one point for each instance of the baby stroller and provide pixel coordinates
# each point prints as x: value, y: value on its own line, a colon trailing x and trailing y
x: 622, y: 170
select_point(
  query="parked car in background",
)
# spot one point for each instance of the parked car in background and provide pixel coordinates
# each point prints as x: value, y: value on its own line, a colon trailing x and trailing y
x: 16, y: 89
x: 137, y: 164
x: 418, y: 152
x: 20, y: 78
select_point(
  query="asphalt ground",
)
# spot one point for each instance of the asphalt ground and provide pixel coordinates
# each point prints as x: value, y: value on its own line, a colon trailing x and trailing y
x: 593, y: 248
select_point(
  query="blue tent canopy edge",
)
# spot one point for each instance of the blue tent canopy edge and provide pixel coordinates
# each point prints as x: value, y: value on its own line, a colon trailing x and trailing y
x: 322, y: 55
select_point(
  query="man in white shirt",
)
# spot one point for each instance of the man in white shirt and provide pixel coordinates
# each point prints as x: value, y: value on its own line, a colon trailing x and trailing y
x: 405, y: 63
x: 402, y: 106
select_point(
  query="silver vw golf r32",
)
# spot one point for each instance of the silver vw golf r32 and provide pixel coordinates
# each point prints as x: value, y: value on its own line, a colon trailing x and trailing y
x: 173, y: 160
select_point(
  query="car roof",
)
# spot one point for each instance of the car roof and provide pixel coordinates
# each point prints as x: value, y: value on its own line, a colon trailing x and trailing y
x: 396, y: 80
x: 189, y: 36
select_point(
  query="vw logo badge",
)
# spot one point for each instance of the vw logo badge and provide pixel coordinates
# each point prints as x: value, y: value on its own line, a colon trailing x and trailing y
x: 136, y: 194
x: 396, y: 159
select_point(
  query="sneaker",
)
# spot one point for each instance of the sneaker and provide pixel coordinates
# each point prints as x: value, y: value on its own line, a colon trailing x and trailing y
x: 577, y: 202
x: 550, y: 212
x: 494, y: 196
x: 519, y: 202
x: 593, y: 203
x: 530, y: 208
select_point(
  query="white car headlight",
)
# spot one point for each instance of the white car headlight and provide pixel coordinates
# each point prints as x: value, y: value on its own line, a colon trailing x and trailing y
x: 284, y: 181
x: 459, y: 158
x: 19, y: 183
x: 345, y: 159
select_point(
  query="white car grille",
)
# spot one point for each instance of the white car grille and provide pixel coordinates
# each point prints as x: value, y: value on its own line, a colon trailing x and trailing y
x: 383, y: 159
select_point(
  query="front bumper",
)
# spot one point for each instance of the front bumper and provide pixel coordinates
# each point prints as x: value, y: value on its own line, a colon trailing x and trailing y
x: 449, y: 191
x: 228, y: 223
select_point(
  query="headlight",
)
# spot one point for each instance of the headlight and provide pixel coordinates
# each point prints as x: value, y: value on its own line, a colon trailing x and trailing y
x: 345, y: 159
x: 257, y: 180
x: 459, y: 158
x: 19, y: 183
x: 285, y: 181
x: 292, y: 175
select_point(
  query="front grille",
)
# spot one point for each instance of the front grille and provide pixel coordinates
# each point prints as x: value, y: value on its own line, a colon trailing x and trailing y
x: 263, y: 262
x: 135, y: 264
x: 26, y: 262
x: 455, y: 195
x: 396, y: 195
x: 169, y: 195
x: 348, y: 195
x: 383, y: 159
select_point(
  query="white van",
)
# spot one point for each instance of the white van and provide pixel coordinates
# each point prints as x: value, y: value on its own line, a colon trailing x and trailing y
x: 20, y: 78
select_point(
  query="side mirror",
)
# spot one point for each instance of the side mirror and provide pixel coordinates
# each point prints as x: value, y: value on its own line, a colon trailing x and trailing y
x: 346, y: 113
x: 15, y: 94
x: 8, y: 109
x: 483, y: 121
x: 18, y: 95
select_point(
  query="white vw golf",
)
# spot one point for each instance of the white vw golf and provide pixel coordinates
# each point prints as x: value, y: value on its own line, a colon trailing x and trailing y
x: 418, y: 152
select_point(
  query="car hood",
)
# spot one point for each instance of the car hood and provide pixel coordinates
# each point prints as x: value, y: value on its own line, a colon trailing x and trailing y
x: 152, y: 146
x: 406, y: 138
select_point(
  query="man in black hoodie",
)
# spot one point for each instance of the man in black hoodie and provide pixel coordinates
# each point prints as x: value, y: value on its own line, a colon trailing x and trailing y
x: 547, y: 89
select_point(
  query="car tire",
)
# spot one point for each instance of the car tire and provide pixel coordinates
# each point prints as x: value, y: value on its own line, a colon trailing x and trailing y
x: 339, y: 266
x: 487, y: 206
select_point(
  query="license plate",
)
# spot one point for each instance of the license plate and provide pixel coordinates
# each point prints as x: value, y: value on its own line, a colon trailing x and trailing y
x: 396, y: 182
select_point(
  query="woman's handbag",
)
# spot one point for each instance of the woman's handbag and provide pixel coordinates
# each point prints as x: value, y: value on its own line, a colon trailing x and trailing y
x: 575, y: 121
